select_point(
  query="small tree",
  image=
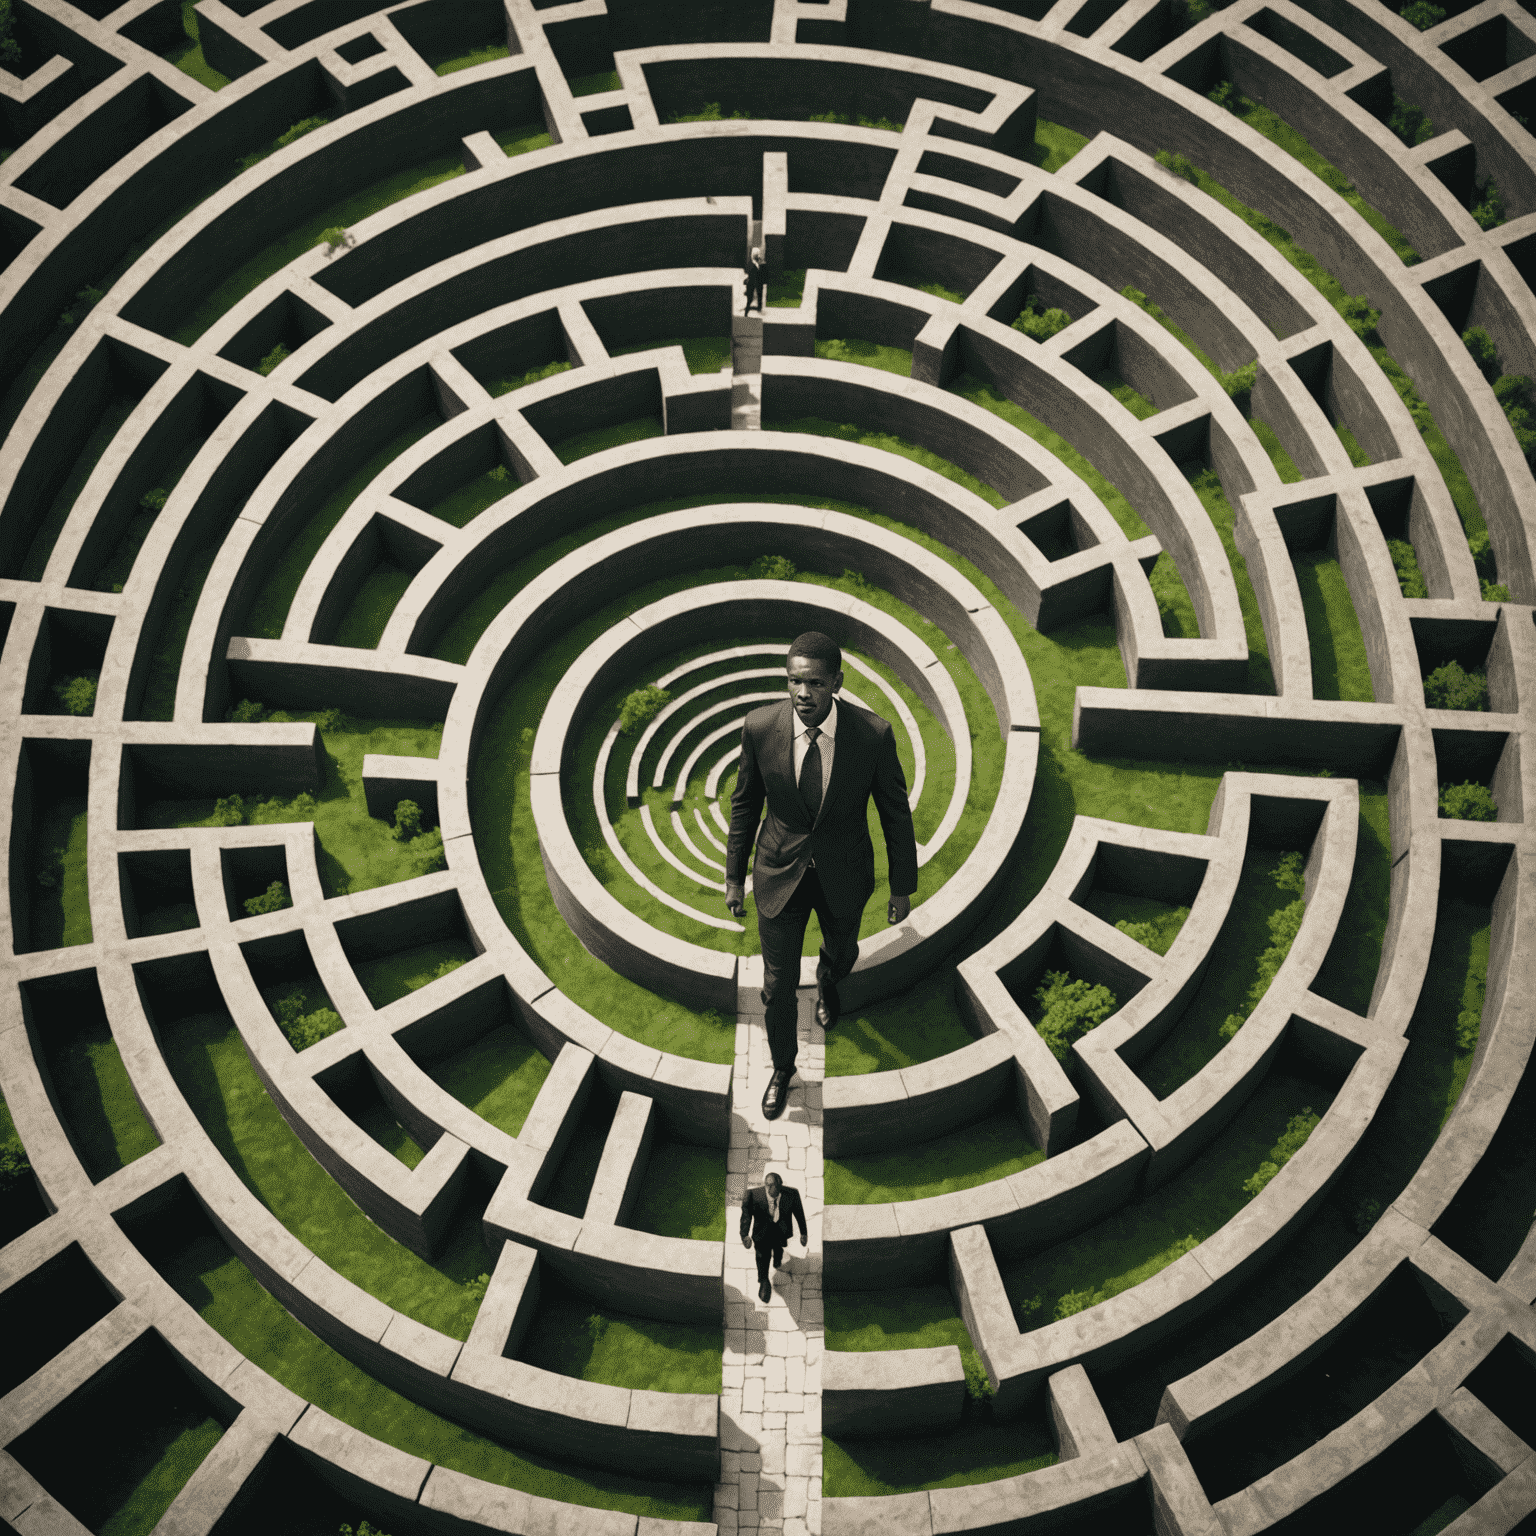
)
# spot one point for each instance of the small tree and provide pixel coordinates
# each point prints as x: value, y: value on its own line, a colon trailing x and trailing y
x: 1452, y: 687
x: 1468, y: 802
x: 77, y: 695
x: 1071, y: 1008
x: 407, y: 821
x: 1409, y: 123
x: 1488, y: 210
x: 273, y: 899
x: 641, y: 707
x: 427, y: 852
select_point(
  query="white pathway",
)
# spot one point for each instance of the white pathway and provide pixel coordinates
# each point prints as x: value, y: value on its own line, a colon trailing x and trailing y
x: 746, y: 371
x: 770, y: 1401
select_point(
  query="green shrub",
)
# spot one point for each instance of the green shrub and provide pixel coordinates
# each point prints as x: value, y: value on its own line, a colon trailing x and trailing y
x: 641, y: 707
x: 1158, y: 934
x: 708, y: 113
x: 772, y: 568
x: 272, y: 360
x: 1291, y: 1141
x: 1406, y: 563
x: 533, y: 376
x: 1468, y: 802
x: 1239, y: 383
x: 85, y: 301
x: 1071, y: 1008
x: 334, y: 239
x: 363, y: 1530
x: 155, y: 500
x: 1190, y: 13
x: 474, y: 1290
x: 303, y: 1027
x: 427, y: 852
x: 856, y: 582
x: 14, y: 1166
x: 1494, y: 591
x: 407, y: 821
x: 1451, y: 687
x: 1488, y: 210
x: 10, y: 49
x: 1482, y: 552
x: 445, y: 968
x: 1178, y: 164
x: 1469, y: 1024
x: 77, y: 695
x: 1289, y: 875
x: 1360, y: 317
x: 1226, y: 95
x: 597, y: 1326
x: 1409, y: 122
x: 1231, y: 1024
x: 272, y: 812
x: 978, y: 1384
x: 1422, y: 14
x: 247, y: 712
x: 273, y: 899
x: 1485, y: 354
x: 500, y: 474
x: 298, y: 130
x: 1367, y: 1213
x: 229, y: 812
x: 328, y: 719
x: 1039, y: 323
x: 1077, y: 1301
x: 1029, y: 1306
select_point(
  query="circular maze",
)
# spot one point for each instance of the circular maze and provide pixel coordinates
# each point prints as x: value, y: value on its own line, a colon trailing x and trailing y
x: 399, y: 514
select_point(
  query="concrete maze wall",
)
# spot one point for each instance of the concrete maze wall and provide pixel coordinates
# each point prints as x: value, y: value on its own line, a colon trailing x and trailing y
x: 1143, y: 400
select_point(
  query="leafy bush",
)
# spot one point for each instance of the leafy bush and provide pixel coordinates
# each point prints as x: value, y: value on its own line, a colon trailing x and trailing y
x: 77, y: 695
x: 14, y: 1166
x: 1485, y: 354
x: 1178, y: 164
x: 1040, y: 323
x: 1468, y: 802
x: 1231, y: 1024
x: 1451, y: 687
x: 155, y: 500
x: 1422, y: 14
x: 500, y: 474
x: 298, y: 130
x: 1494, y: 591
x: 302, y: 1026
x: 427, y: 852
x: 273, y: 899
x: 328, y: 719
x: 978, y: 1384
x: 445, y: 968
x: 1239, y: 383
x: 1367, y: 1213
x: 1488, y: 210
x: 1071, y: 1008
x: 85, y: 301
x: 1291, y: 1141
x: 1190, y: 13
x: 1225, y: 95
x: 1158, y: 934
x: 1077, y: 1301
x: 1482, y: 552
x: 641, y: 707
x: 1029, y: 1306
x: 708, y: 113
x: 336, y: 238
x: 772, y: 568
x: 363, y: 1530
x: 1469, y: 1024
x: 247, y: 712
x: 474, y: 1290
x: 1409, y: 122
x: 857, y: 583
x: 1360, y: 317
x: 229, y: 812
x: 407, y: 821
x: 1406, y: 563
x: 272, y: 360
x: 274, y: 811
x: 10, y: 49
x: 1289, y: 875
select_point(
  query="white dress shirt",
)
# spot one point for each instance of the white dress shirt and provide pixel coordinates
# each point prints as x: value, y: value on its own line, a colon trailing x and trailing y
x: 826, y: 744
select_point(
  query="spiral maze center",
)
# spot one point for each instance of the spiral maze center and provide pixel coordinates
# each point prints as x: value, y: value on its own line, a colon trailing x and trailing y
x: 400, y: 512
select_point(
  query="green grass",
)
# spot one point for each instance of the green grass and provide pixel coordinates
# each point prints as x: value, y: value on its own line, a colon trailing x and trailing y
x: 61, y: 913
x: 572, y: 1336
x: 1357, y: 455
x: 705, y: 354
x: 187, y: 56
x: 1206, y: 484
x: 269, y: 611
x: 1132, y: 399
x: 532, y: 376
x: 147, y: 1434
x: 593, y: 85
x: 159, y: 700
x: 397, y: 975
x: 787, y: 292
x: 1140, y: 1240
x: 113, y: 415
x: 683, y: 1194
x: 464, y: 505
x: 1279, y: 132
x: 921, y: 1024
x: 498, y: 1076
x: 487, y: 53
x: 1340, y: 668
x: 95, y: 1098
x: 368, y: 614
x: 600, y: 439
x: 1195, y: 1039
x: 867, y: 354
x: 1455, y: 981
x: 976, y: 1154
x: 1163, y: 918
x: 227, y: 1296
x: 1054, y: 145
x: 357, y: 852
x: 523, y: 139
x: 982, y: 1451
x: 369, y: 1111
x: 1269, y: 439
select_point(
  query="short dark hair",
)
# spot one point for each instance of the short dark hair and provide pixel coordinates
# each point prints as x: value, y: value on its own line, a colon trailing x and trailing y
x: 773, y: 1178
x: 818, y: 647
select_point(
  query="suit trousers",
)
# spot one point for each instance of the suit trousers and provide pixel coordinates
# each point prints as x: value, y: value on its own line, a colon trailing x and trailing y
x: 766, y: 1251
x: 782, y: 939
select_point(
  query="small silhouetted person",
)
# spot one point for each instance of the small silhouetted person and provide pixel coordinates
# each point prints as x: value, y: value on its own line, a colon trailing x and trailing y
x: 757, y: 279
x: 816, y: 764
x: 767, y: 1215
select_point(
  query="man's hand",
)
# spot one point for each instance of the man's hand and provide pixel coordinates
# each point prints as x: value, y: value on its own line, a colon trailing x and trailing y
x: 804, y: 1241
x: 746, y: 1242
x: 735, y: 898
x: 898, y: 911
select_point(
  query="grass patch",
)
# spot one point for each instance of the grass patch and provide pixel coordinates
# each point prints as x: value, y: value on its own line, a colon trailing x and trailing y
x: 187, y: 55
x: 1206, y: 484
x: 487, y: 53
x: 683, y: 1194
x: 599, y: 439
x: 1054, y: 145
x: 980, y: 1452
x: 269, y: 611
x: 227, y: 1296
x: 95, y: 1098
x: 786, y: 291
x: 533, y: 376
x: 1269, y: 440
x: 61, y: 908
x: 367, y: 615
x: 1153, y: 923
x: 523, y: 139
x: 159, y: 701
x: 593, y: 85
x: 867, y: 354
x: 1340, y: 668
x: 469, y: 501
x: 976, y: 1154
x: 704, y: 354
x: 394, y: 976
x: 571, y: 1336
x: 1455, y: 984
x: 498, y: 1076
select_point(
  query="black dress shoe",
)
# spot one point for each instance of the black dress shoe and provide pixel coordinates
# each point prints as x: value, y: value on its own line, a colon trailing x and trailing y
x: 765, y: 1292
x: 826, y: 1015
x: 775, y: 1094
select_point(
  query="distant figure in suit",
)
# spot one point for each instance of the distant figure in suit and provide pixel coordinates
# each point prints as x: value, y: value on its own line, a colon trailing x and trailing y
x: 757, y: 279
x: 816, y: 764
x: 766, y: 1217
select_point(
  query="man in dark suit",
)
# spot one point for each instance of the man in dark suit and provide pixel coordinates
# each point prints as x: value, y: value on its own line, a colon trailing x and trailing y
x: 766, y: 1217
x: 815, y: 763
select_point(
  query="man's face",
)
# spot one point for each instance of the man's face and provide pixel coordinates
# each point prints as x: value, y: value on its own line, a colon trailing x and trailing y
x: 773, y: 1184
x: 811, y: 689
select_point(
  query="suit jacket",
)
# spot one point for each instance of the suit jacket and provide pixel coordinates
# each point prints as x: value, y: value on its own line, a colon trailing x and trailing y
x: 757, y: 1224
x: 864, y: 766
